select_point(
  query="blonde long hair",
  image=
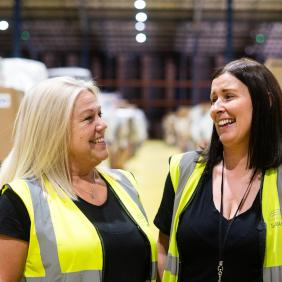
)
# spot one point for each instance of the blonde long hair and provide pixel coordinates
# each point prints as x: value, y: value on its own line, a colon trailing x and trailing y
x: 42, y: 133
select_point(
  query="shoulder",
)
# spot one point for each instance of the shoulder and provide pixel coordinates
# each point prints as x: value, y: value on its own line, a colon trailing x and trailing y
x: 117, y: 174
x: 184, y: 161
x: 123, y: 177
x: 190, y: 157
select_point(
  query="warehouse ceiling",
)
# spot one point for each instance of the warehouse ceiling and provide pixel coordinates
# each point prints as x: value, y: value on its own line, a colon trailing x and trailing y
x: 180, y: 26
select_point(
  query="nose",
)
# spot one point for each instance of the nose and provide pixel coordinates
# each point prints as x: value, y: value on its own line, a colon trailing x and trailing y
x: 101, y: 125
x: 217, y: 107
x: 218, y: 104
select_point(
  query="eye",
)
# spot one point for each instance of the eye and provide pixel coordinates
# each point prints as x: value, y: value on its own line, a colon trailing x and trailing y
x: 213, y: 99
x: 229, y: 96
x: 88, y: 118
x: 100, y: 114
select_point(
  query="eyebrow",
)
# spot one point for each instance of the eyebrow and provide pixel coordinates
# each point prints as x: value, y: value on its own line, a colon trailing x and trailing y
x: 225, y: 90
x: 97, y: 109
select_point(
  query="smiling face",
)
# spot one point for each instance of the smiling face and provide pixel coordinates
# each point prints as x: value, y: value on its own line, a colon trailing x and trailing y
x: 87, y: 144
x: 231, y: 111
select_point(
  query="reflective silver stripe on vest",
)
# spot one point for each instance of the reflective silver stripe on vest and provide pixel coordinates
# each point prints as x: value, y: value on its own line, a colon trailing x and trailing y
x: 186, y: 166
x: 154, y: 271
x: 172, y: 264
x: 82, y: 276
x: 48, y: 248
x: 129, y: 188
x: 272, y: 274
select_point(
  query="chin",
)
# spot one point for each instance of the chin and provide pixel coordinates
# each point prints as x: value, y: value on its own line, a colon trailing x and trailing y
x: 104, y: 156
x: 226, y: 142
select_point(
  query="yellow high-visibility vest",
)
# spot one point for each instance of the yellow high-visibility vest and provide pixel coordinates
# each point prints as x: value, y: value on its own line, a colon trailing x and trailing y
x: 64, y: 245
x: 185, y: 175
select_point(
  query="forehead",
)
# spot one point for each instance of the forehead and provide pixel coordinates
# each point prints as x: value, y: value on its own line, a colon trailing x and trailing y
x: 85, y: 100
x: 227, y: 81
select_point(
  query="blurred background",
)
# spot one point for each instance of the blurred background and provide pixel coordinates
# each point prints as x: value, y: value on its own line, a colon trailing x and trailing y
x: 152, y: 60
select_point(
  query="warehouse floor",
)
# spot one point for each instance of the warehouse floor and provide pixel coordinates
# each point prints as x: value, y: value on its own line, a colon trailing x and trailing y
x: 150, y: 167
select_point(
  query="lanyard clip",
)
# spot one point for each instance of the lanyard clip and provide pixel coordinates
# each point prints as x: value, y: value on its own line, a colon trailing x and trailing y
x: 220, y: 270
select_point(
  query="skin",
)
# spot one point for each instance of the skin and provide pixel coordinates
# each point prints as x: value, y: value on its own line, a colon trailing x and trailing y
x: 87, y: 127
x: 230, y: 100
x: 12, y: 259
x: 87, y: 148
x: 162, y: 248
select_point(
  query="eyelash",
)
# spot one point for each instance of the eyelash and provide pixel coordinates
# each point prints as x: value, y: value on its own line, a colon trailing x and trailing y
x: 212, y: 100
x: 90, y: 118
x: 226, y: 98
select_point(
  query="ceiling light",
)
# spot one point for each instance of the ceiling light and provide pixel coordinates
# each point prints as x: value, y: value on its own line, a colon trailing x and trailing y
x: 140, y: 26
x: 4, y: 25
x: 141, y: 17
x: 141, y: 37
x: 139, y: 4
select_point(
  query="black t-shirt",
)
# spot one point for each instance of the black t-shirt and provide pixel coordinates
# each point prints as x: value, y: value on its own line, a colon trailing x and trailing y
x: 126, y: 249
x: 198, y: 241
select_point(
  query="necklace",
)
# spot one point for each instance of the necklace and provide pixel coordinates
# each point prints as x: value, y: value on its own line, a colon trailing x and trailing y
x: 91, y: 194
x: 221, y: 242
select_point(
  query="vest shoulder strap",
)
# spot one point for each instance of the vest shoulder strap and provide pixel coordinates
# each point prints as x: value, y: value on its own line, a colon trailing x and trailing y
x: 181, y: 168
x: 128, y: 182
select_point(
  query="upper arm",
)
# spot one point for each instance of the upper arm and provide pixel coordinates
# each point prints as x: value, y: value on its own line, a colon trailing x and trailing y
x: 164, y: 215
x: 163, y: 243
x: 13, y: 258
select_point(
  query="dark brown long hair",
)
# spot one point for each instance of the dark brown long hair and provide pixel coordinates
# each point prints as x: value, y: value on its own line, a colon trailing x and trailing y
x: 265, y: 146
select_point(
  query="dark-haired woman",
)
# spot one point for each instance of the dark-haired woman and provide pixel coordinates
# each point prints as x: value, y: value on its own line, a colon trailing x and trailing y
x: 220, y: 216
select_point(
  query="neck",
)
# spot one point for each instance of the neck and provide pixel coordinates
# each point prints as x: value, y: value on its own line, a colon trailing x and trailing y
x: 234, y: 159
x: 89, y: 175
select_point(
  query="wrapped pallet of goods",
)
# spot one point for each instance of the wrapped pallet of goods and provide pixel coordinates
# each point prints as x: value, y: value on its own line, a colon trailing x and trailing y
x: 275, y: 66
x: 17, y: 75
x: 127, y: 128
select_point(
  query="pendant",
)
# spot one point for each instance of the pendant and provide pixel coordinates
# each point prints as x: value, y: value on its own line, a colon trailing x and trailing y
x: 220, y: 270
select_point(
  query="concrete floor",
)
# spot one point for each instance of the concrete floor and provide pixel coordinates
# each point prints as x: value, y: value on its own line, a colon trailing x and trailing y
x: 150, y: 167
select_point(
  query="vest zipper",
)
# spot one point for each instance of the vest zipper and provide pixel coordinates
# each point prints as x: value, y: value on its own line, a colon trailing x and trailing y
x: 138, y: 227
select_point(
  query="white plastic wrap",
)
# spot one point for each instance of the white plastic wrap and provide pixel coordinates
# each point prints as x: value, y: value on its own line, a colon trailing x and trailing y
x: 21, y: 74
x: 76, y: 72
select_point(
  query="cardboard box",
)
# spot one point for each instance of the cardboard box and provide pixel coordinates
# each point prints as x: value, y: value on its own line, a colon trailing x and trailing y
x: 9, y: 103
x: 275, y: 66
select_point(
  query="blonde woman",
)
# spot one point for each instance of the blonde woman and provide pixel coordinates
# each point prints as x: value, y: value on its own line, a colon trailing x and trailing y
x: 62, y: 218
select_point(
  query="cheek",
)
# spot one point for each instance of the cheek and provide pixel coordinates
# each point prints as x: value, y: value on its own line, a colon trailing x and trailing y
x: 249, y: 113
x: 212, y: 114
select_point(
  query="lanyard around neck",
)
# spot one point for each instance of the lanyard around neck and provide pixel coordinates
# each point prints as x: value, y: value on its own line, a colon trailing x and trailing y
x: 222, y: 243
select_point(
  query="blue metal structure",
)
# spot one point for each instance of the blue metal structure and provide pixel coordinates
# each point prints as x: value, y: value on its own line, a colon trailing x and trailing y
x: 16, y: 29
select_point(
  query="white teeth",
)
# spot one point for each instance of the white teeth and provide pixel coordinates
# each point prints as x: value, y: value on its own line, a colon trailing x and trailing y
x: 225, y: 122
x: 98, y: 140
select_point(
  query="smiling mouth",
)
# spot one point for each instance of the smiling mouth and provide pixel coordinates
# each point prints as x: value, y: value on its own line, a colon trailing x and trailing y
x: 98, y: 140
x: 224, y: 122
